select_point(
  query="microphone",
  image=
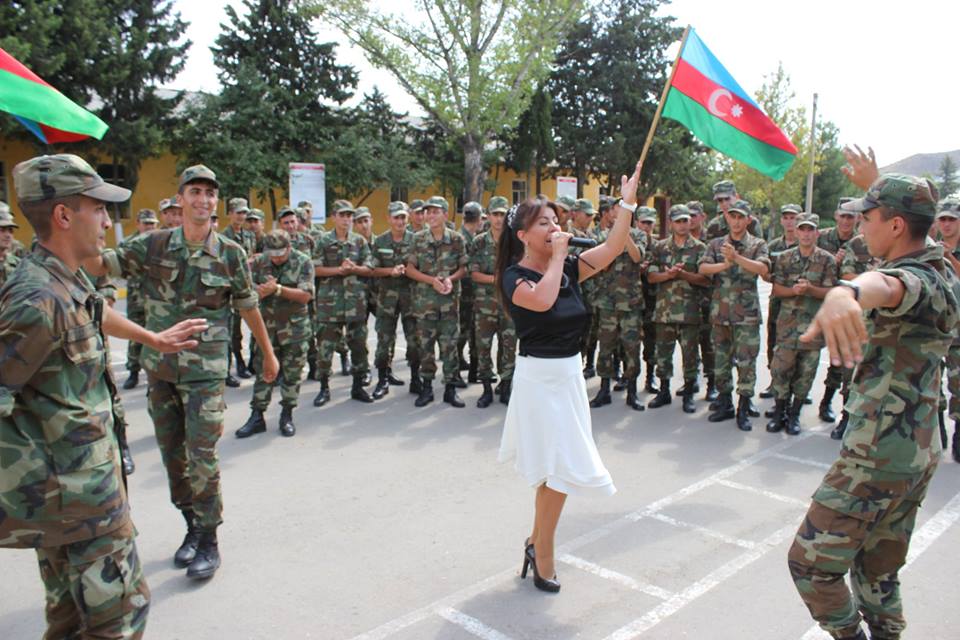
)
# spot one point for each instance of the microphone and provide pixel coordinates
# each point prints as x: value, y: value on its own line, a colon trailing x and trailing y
x: 581, y: 243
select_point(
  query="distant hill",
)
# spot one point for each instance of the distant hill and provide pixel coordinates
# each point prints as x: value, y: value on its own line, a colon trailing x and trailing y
x: 921, y: 163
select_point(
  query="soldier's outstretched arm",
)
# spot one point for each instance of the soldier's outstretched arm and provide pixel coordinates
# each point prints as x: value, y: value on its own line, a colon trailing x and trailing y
x: 176, y: 338
x: 271, y: 366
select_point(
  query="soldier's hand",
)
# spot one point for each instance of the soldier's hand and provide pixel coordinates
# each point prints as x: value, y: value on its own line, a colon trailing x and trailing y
x: 438, y: 285
x: 729, y: 252
x: 271, y: 367
x: 397, y: 271
x: 861, y: 167
x: 178, y: 337
x: 840, y: 254
x: 840, y: 320
x: 447, y: 286
x: 802, y: 287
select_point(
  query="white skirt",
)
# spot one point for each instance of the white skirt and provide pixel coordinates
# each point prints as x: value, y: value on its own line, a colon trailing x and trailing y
x: 548, y: 428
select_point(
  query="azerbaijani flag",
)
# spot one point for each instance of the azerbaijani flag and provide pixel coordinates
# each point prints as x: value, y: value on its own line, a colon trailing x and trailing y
x: 705, y: 98
x: 46, y: 112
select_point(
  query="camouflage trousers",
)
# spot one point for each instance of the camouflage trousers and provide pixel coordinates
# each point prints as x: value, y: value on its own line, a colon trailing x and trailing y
x: 188, y: 422
x: 441, y: 331
x: 236, y: 333
x: 649, y: 343
x: 860, y: 521
x: 137, y: 316
x: 772, y: 312
x: 953, y: 381
x: 667, y: 335
x: 354, y: 332
x: 468, y: 334
x: 487, y: 326
x: 839, y: 377
x: 792, y: 371
x: 619, y: 336
x: 386, y: 326
x: 706, y: 355
x: 292, y: 357
x: 95, y: 588
x: 736, y: 344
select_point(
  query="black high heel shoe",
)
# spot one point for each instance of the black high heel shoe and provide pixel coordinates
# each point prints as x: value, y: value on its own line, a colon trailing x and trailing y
x: 551, y: 585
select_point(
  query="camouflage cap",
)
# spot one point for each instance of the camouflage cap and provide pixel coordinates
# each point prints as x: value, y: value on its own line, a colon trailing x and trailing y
x: 844, y: 200
x: 4, y: 207
x: 341, y: 206
x: 679, y: 212
x: 566, y: 202
x: 7, y: 221
x: 472, y: 210
x: 584, y: 205
x: 49, y: 177
x: 900, y: 192
x: 237, y: 205
x: 398, y: 208
x: 169, y: 203
x: 809, y: 220
x: 255, y: 214
x: 437, y: 201
x: 647, y: 214
x: 147, y: 215
x: 695, y: 207
x: 949, y: 208
x: 303, y: 214
x: 742, y: 207
x: 724, y: 189
x: 305, y: 203
x: 276, y: 243
x: 197, y: 173
x: 361, y: 213
x: 498, y: 204
x: 416, y: 205
x: 284, y: 212
x: 791, y: 208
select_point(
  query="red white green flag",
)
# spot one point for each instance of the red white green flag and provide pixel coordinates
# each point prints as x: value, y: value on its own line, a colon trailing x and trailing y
x: 46, y: 112
x: 706, y: 99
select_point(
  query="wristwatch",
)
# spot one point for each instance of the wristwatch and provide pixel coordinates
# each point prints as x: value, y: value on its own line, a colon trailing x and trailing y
x: 632, y: 208
x: 852, y: 286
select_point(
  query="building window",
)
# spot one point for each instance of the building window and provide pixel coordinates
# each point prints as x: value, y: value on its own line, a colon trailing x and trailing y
x: 519, y: 191
x: 116, y: 174
x: 399, y: 193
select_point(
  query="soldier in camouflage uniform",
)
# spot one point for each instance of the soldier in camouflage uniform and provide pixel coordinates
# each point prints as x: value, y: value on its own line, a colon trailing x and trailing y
x: 415, y: 223
x: 363, y: 225
x: 673, y: 269
x: 646, y: 219
x: 341, y: 258
x: 237, y: 210
x: 734, y: 261
x: 283, y: 277
x: 725, y: 195
x: 776, y: 246
x: 171, y: 213
x: 583, y: 227
x: 146, y: 222
x: 305, y: 225
x: 62, y: 491
x: 16, y: 247
x: 802, y: 276
x: 948, y: 223
x: 193, y: 272
x: 565, y: 205
x: 8, y: 257
x: 391, y: 249
x: 254, y: 224
x: 490, y: 318
x: 705, y: 355
x: 618, y: 300
x: 437, y: 263
x: 468, y: 336
x: 865, y: 509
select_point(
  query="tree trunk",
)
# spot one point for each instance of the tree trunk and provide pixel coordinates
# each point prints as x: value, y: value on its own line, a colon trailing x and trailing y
x: 273, y: 206
x: 473, y: 173
x: 539, y: 170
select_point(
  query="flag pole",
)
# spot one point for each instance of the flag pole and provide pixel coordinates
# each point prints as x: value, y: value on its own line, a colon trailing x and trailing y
x: 663, y: 98
x: 813, y: 155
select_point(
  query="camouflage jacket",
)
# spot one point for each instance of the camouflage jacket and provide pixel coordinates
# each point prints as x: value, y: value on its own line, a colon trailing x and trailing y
x: 388, y: 253
x: 796, y: 312
x: 483, y: 258
x: 717, y: 228
x: 896, y: 387
x: 300, y: 241
x: 734, y: 298
x: 677, y: 299
x: 179, y: 284
x: 588, y: 286
x: 60, y: 479
x: 287, y: 321
x: 829, y: 240
x: 468, y: 287
x: 857, y: 258
x: 618, y: 287
x: 134, y: 284
x: 7, y: 266
x: 435, y: 258
x: 777, y: 246
x: 18, y: 249
x: 244, y: 238
x: 341, y: 298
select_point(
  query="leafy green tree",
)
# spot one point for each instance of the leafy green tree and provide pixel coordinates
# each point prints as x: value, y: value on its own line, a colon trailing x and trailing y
x: 947, y: 181
x: 471, y: 65
x: 531, y: 144
x: 829, y: 184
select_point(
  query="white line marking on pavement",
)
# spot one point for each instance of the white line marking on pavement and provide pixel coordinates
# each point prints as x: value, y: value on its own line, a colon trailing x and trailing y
x: 711, y: 533
x: 702, y: 586
x: 920, y: 541
x: 471, y: 624
x: 806, y: 461
x: 627, y: 581
x: 763, y: 492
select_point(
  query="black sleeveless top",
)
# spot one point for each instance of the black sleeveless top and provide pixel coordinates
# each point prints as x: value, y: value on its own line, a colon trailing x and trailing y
x: 557, y: 332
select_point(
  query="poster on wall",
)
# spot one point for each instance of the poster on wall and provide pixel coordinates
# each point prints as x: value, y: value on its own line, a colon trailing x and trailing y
x: 308, y: 181
x: 566, y: 187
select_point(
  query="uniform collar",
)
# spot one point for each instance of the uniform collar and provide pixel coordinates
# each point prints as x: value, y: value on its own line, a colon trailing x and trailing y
x: 211, y: 244
x: 927, y: 254
x: 77, y: 284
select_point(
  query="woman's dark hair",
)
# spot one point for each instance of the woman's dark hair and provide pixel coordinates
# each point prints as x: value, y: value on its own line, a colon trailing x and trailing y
x: 510, y: 248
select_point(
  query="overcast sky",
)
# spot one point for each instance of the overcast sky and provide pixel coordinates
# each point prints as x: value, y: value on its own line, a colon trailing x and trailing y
x: 885, y: 72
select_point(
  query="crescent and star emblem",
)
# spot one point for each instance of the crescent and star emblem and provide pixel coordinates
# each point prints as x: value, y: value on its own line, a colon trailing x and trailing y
x: 712, y: 102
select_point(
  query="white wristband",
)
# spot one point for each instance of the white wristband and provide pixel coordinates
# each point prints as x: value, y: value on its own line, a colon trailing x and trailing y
x: 632, y: 208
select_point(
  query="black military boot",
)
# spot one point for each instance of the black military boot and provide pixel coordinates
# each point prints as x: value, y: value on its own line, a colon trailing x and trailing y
x: 383, y: 385
x: 590, y: 370
x: 955, y: 449
x: 451, y: 398
x: 689, y: 388
x: 126, y: 458
x: 711, y: 390
x: 458, y: 382
x: 752, y: 410
x: 287, y: 428
x: 506, y: 388
x: 344, y: 364
x: 392, y: 379
x: 808, y: 400
x: 357, y: 392
x: 743, y: 414
x: 207, y: 560
x: 324, y: 396
x: 132, y: 379
x: 603, y: 395
x: 793, y: 418
x: 650, y: 386
x: 838, y: 431
x: 416, y: 384
x: 242, y: 371
x: 472, y: 374
x: 694, y: 387
x: 254, y: 424
x: 620, y: 381
x: 724, y: 408
x: 663, y: 396
x: 188, y: 548
x: 826, y: 411
x: 231, y: 382
x: 632, y: 400
x: 366, y: 378
x: 778, y: 416
x: 767, y: 393
x: 426, y: 394
x: 486, y: 398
